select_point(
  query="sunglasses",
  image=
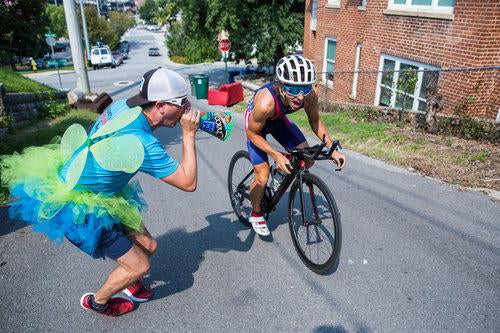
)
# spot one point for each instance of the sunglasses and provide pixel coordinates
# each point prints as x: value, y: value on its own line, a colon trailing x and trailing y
x: 297, y: 90
x: 181, y: 101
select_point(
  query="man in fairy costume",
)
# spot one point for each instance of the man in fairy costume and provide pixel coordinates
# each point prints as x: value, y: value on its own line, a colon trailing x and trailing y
x: 100, y: 212
x: 266, y: 113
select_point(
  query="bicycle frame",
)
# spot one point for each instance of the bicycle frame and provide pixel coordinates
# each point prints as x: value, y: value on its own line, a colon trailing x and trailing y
x: 298, y: 169
x: 270, y: 203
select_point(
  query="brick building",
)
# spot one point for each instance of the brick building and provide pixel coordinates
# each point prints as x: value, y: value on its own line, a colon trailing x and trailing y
x: 343, y: 36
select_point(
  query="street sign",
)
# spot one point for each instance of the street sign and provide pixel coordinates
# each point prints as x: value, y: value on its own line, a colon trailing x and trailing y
x: 224, y: 45
x: 51, y: 41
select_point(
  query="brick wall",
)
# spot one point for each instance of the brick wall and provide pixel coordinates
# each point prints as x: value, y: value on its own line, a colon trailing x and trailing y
x: 471, y: 39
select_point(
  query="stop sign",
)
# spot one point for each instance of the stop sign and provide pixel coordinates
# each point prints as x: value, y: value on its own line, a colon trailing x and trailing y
x: 224, y: 45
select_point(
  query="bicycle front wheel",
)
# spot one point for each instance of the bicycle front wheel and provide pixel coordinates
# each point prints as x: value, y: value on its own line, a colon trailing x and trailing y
x: 314, y: 222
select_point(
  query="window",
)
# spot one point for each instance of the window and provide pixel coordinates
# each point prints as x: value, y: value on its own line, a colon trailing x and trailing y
x: 362, y: 4
x: 432, y: 6
x: 314, y: 15
x: 333, y: 3
x: 104, y: 51
x: 329, y: 63
x: 96, y: 52
x: 404, y: 82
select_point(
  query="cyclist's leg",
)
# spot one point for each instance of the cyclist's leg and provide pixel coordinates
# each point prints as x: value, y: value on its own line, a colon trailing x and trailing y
x: 261, y: 171
x: 261, y: 175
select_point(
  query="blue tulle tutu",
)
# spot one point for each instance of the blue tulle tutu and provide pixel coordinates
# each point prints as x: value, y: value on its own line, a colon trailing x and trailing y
x: 41, y: 198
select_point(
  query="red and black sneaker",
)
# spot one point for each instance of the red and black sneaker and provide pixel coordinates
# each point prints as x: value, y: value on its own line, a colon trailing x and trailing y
x: 138, y: 292
x: 116, y: 306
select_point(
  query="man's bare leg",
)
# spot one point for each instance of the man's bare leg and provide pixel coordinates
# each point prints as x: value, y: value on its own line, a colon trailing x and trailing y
x: 131, y: 266
x: 145, y: 241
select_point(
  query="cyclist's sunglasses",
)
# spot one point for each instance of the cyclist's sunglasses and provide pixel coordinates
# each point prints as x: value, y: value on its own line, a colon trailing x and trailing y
x: 297, y: 90
x: 181, y: 101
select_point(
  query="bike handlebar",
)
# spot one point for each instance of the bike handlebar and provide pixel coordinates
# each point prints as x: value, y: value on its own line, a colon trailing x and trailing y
x: 316, y: 152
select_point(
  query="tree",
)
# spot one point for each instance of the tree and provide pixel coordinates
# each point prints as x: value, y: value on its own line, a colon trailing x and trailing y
x: 264, y: 29
x: 56, y: 20
x: 120, y: 22
x: 148, y: 10
x: 167, y: 12
x: 189, y: 38
x: 99, y: 28
x: 22, y: 26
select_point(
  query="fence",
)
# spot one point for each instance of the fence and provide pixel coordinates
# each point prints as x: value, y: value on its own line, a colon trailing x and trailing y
x: 473, y: 92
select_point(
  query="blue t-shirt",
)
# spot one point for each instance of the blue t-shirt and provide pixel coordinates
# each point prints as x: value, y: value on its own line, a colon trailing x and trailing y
x: 157, y: 162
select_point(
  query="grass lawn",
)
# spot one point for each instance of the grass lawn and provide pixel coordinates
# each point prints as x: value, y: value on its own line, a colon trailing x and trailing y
x: 42, y: 132
x: 454, y: 160
x: 15, y: 82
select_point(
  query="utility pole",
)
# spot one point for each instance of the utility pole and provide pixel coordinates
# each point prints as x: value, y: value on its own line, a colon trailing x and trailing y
x: 98, y: 8
x: 85, y: 33
x: 75, y: 40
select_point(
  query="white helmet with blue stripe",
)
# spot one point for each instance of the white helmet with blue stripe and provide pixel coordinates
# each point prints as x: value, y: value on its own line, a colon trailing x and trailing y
x: 296, y: 70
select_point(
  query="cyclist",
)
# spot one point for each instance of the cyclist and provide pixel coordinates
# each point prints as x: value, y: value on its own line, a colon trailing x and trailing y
x: 266, y: 113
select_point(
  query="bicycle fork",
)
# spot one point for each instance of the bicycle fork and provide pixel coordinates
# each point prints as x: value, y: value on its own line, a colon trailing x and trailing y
x: 317, y: 220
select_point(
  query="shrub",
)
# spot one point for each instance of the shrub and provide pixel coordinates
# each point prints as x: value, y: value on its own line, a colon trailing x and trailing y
x: 52, y: 110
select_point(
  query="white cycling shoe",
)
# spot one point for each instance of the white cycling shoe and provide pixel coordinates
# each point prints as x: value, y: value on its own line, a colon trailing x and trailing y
x: 259, y: 225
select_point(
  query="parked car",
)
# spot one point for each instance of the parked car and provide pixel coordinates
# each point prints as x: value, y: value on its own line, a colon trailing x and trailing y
x: 101, y: 56
x: 123, y: 51
x: 125, y: 45
x: 154, y: 51
x: 118, y: 56
x: 40, y: 64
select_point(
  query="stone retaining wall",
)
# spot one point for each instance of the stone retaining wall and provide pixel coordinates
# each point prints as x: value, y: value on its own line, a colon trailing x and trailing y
x: 23, y: 107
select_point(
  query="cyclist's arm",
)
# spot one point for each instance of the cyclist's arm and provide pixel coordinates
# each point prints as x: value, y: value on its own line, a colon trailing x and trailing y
x: 263, y: 110
x: 312, y: 110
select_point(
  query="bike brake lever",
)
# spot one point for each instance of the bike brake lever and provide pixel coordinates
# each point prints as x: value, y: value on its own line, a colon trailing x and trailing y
x: 335, y: 146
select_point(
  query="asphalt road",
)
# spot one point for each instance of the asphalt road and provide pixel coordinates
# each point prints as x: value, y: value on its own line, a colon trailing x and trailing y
x: 417, y: 255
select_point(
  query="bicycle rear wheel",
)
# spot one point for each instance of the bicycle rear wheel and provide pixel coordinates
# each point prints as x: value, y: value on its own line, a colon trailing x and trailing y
x: 239, y: 178
x: 318, y: 237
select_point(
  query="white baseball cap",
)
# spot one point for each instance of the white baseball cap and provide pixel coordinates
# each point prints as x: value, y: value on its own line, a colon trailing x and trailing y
x: 159, y: 84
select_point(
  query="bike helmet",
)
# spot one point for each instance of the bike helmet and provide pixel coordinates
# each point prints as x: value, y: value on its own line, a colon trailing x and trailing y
x: 296, y: 70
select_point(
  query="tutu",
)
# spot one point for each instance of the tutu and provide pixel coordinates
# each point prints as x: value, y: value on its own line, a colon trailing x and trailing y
x: 41, y: 198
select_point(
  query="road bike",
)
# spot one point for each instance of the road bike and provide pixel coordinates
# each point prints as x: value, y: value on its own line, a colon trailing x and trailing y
x: 313, y: 216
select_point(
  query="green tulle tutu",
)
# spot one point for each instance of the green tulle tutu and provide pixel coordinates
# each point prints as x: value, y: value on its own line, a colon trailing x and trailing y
x: 41, y: 198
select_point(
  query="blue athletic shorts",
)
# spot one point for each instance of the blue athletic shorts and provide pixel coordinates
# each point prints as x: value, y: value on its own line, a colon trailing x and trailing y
x: 113, y: 243
x: 283, y: 130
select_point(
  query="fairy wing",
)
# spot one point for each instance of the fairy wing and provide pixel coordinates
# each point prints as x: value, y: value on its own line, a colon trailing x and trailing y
x: 76, y: 167
x: 118, y: 122
x: 119, y: 153
x: 72, y: 139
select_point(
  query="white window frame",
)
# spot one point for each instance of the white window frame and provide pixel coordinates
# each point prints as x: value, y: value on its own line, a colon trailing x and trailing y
x: 323, y: 76
x: 363, y: 5
x: 356, y: 69
x: 314, y: 15
x: 433, y: 8
x: 332, y: 4
x: 395, y: 78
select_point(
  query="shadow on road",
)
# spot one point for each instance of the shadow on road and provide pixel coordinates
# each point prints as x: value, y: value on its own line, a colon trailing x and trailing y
x: 180, y: 252
x: 6, y: 225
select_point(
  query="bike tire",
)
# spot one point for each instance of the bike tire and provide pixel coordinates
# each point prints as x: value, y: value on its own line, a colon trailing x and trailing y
x: 331, y: 259
x: 243, y: 215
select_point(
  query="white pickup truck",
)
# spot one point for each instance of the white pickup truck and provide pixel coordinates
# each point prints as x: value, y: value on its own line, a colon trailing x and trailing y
x: 100, y: 56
